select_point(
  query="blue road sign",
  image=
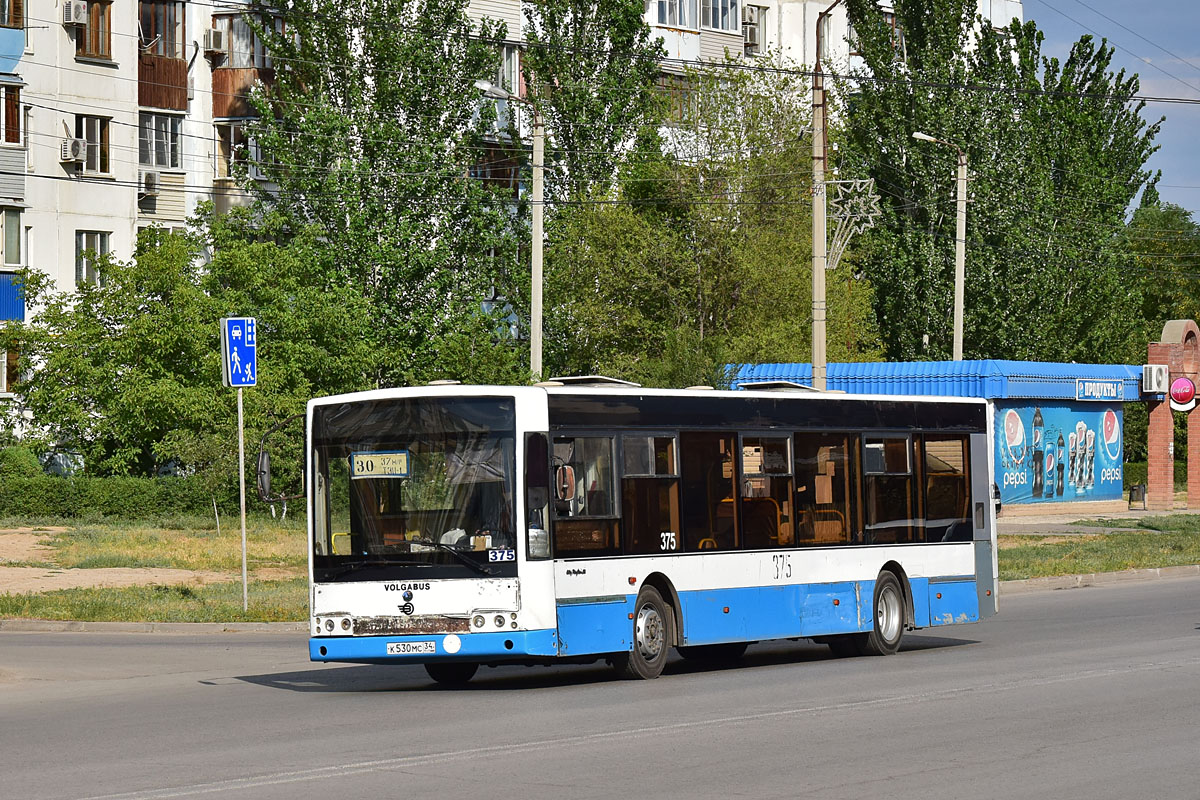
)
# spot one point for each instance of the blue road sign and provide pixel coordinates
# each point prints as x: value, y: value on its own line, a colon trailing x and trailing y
x: 239, y: 351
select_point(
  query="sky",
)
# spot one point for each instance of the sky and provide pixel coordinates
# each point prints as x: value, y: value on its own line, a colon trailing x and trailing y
x: 1160, y: 41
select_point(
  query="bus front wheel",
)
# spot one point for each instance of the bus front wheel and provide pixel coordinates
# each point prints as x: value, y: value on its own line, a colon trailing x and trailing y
x: 452, y: 673
x: 651, y: 638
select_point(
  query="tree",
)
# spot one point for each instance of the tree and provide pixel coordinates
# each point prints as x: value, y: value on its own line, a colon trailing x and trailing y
x: 1056, y: 152
x: 703, y: 256
x: 127, y: 372
x: 373, y: 130
x: 591, y: 68
x: 1164, y: 242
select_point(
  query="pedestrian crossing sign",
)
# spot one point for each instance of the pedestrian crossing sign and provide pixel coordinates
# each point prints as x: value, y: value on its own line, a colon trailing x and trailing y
x: 239, y: 352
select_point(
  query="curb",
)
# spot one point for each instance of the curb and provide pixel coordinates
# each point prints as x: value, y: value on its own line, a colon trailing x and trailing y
x: 70, y: 626
x: 1028, y: 586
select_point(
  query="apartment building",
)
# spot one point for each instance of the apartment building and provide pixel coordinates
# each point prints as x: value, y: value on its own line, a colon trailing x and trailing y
x: 120, y: 115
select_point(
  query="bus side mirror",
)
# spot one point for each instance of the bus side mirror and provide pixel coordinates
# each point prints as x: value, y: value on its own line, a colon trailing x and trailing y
x: 264, y: 473
x: 564, y: 483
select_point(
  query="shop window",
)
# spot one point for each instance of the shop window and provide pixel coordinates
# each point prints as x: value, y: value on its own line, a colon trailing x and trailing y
x: 767, y: 518
x: 585, y: 500
x: 825, y: 487
x: 650, y: 494
x: 95, y: 39
x: 887, y: 474
x: 709, y: 478
x: 947, y: 489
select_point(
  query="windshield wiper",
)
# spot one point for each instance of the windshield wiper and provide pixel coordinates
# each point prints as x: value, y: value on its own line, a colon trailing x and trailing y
x: 454, y: 551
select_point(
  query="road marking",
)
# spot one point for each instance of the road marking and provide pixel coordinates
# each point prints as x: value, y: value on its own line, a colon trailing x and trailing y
x: 384, y: 764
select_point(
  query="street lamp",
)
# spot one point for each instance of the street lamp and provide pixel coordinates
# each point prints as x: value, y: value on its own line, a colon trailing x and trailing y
x: 539, y: 135
x: 960, y: 240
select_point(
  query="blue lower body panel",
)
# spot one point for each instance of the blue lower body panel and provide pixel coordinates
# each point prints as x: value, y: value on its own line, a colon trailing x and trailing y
x: 951, y: 602
x: 471, y: 647
x: 596, y: 627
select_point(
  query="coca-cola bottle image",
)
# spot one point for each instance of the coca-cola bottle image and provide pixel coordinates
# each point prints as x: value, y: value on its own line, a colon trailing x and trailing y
x: 1038, y: 452
x: 1061, y: 467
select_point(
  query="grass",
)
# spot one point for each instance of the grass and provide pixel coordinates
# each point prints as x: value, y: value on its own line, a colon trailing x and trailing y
x: 276, y: 560
x: 270, y: 601
x: 1166, y: 541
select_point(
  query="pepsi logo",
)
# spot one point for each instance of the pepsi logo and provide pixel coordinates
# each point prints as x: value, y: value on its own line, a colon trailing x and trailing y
x: 1112, y: 435
x: 1014, y: 436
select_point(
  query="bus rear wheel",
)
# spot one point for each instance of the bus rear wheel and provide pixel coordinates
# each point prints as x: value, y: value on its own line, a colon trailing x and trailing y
x: 884, y: 638
x: 651, y: 638
x: 452, y: 673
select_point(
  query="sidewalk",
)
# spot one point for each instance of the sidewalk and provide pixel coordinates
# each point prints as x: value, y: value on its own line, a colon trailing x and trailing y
x: 1063, y: 524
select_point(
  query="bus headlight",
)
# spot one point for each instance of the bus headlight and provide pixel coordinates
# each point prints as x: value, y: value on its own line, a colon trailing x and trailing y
x: 329, y: 625
x: 499, y: 620
x: 478, y: 620
x: 537, y: 543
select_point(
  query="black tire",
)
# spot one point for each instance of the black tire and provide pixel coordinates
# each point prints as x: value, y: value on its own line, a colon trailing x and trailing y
x: 714, y: 653
x: 452, y: 673
x: 889, y: 612
x: 652, y: 638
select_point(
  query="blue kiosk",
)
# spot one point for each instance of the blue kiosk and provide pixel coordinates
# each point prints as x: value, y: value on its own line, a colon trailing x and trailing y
x: 1058, y: 429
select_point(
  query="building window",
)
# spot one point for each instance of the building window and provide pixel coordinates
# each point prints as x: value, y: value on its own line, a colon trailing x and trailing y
x: 161, y: 28
x: 11, y: 257
x: 244, y: 48
x: 158, y: 141
x: 90, y: 246
x: 95, y: 131
x: 677, y: 13
x: 12, y: 14
x: 236, y: 148
x: 719, y: 14
x: 95, y: 40
x: 13, y: 115
x: 754, y: 25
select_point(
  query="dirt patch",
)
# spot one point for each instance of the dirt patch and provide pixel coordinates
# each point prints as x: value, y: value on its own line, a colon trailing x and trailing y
x: 1009, y: 542
x: 28, y: 545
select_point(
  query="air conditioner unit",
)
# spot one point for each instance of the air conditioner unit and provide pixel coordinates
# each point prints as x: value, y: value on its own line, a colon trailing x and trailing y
x: 214, y: 40
x: 148, y: 183
x: 1154, y: 379
x: 750, y: 15
x: 74, y: 150
x: 75, y: 12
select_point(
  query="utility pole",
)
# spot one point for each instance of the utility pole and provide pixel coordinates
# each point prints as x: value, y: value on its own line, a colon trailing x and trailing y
x: 819, y: 241
x: 535, y: 310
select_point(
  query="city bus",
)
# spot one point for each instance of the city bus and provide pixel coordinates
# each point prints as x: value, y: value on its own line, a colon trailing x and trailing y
x: 457, y: 526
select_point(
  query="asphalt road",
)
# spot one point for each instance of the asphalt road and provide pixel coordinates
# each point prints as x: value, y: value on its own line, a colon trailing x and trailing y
x: 1083, y: 693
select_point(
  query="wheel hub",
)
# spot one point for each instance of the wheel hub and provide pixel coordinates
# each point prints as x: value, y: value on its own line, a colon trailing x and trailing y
x: 649, y: 632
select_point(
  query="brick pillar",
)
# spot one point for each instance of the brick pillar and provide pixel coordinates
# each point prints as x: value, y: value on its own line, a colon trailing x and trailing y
x: 1160, y: 462
x: 1193, y: 461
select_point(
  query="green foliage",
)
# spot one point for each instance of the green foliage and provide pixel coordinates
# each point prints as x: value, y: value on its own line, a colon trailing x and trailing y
x: 591, y: 69
x: 116, y: 496
x: 128, y: 371
x: 371, y: 131
x: 703, y: 255
x: 1056, y: 151
x: 18, y: 462
x: 1166, y: 243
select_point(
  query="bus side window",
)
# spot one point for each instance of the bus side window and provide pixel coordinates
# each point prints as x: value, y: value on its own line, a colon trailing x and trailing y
x: 888, y: 479
x: 767, y: 517
x: 709, y: 475
x: 824, y: 484
x: 947, y: 489
x: 585, y: 496
x: 650, y: 494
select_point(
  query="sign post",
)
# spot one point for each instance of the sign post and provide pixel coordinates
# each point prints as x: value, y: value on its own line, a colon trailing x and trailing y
x: 239, y: 359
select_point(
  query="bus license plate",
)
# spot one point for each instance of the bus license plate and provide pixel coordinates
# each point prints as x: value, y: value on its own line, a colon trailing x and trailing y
x: 410, y: 648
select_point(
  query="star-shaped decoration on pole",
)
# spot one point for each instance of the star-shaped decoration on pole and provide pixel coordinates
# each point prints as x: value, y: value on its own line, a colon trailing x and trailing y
x: 854, y: 205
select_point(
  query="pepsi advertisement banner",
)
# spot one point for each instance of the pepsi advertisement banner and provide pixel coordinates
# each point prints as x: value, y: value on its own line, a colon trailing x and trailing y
x: 1059, y: 453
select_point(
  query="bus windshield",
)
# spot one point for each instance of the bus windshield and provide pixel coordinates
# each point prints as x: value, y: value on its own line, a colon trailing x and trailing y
x: 407, y: 488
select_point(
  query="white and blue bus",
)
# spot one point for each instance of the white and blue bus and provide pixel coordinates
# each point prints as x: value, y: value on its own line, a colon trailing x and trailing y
x: 458, y: 526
